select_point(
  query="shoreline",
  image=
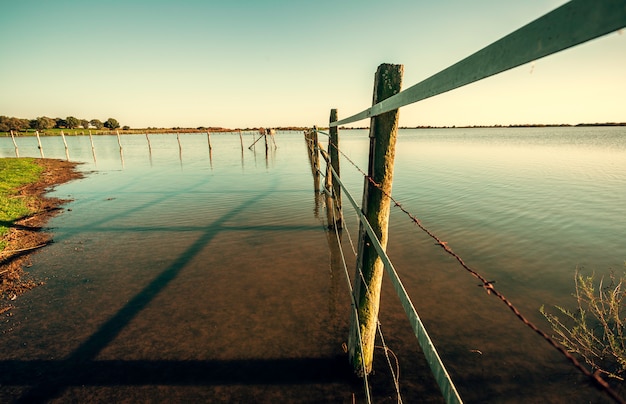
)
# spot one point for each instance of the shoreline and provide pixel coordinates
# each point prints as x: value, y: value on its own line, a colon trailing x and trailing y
x: 26, y: 235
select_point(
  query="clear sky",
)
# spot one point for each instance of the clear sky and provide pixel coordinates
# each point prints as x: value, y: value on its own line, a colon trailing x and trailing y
x: 246, y: 63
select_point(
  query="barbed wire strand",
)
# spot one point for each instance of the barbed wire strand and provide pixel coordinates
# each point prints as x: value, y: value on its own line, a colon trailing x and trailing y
x: 489, y: 288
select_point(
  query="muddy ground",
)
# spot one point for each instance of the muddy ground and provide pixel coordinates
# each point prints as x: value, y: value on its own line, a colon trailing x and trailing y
x: 27, y: 235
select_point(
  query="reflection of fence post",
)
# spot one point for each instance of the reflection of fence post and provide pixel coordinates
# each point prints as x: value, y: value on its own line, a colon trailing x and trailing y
x: 333, y: 151
x: 376, y: 204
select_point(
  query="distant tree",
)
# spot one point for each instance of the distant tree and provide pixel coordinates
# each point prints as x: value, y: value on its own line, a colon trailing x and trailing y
x: 60, y: 123
x: 111, y: 123
x: 4, y: 124
x: 43, y: 123
x: 126, y: 127
x: 72, y: 123
x: 84, y: 123
x: 16, y: 124
x: 96, y: 123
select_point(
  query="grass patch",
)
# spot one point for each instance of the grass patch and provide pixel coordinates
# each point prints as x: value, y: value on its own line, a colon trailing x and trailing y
x: 15, y: 173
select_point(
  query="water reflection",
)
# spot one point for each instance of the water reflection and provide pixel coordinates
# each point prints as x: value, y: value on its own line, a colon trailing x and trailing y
x: 137, y: 279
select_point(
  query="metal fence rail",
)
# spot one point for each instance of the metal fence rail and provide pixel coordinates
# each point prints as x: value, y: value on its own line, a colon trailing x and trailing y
x: 574, y: 23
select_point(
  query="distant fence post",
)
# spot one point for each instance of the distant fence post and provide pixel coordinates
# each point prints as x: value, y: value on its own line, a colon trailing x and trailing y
x: 333, y: 151
x: 67, y: 152
x: 149, y: 145
x: 316, y: 158
x: 17, y: 151
x: 39, y: 144
x: 376, y: 205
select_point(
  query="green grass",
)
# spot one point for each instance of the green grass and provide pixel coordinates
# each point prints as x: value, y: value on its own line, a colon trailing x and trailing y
x: 14, y: 173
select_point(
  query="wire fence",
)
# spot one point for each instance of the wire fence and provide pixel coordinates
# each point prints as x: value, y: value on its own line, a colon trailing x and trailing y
x: 489, y: 287
x: 574, y: 23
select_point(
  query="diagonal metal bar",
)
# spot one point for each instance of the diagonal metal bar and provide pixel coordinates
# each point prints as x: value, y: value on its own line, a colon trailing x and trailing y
x: 573, y: 23
x: 448, y: 390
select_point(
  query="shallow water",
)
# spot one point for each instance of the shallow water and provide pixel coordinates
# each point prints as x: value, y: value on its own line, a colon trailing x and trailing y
x: 184, y: 273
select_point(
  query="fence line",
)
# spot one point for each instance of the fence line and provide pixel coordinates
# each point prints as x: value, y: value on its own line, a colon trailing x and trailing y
x: 574, y: 23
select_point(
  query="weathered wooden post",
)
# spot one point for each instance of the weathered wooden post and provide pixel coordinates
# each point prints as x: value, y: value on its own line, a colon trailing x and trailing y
x: 93, y: 148
x: 67, y: 152
x: 328, y: 192
x: 149, y: 144
x: 119, y: 141
x: 376, y: 204
x: 17, y: 151
x: 208, y: 136
x: 316, y: 159
x: 333, y: 151
x: 39, y: 144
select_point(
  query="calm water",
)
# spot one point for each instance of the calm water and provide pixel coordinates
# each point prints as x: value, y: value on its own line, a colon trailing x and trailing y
x: 186, y: 275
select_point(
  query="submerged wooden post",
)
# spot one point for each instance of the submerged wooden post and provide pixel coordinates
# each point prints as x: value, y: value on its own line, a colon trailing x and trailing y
x: 149, y: 144
x: 67, y: 152
x: 376, y: 204
x: 39, y: 144
x: 119, y: 141
x: 17, y: 151
x: 93, y: 148
x: 333, y: 151
x: 316, y: 158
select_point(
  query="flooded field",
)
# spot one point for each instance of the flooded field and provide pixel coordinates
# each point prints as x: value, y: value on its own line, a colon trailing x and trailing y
x: 183, y: 273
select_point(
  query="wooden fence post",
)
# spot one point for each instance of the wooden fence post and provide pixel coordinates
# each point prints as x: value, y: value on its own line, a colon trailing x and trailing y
x: 67, y: 152
x: 333, y: 151
x: 39, y: 144
x: 17, y: 151
x: 376, y: 205
x: 316, y: 158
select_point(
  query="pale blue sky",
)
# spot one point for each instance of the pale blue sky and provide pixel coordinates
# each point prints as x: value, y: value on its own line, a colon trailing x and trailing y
x: 245, y: 63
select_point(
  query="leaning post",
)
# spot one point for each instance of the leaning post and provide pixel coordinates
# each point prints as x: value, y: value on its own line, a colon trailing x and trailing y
x: 39, y: 144
x: 376, y: 205
x: 333, y: 151
x: 17, y: 151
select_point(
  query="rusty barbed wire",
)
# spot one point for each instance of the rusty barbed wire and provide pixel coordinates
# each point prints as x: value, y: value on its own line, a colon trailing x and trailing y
x: 491, y: 290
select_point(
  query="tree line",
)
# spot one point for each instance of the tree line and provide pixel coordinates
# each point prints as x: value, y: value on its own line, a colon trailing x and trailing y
x: 43, y: 122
